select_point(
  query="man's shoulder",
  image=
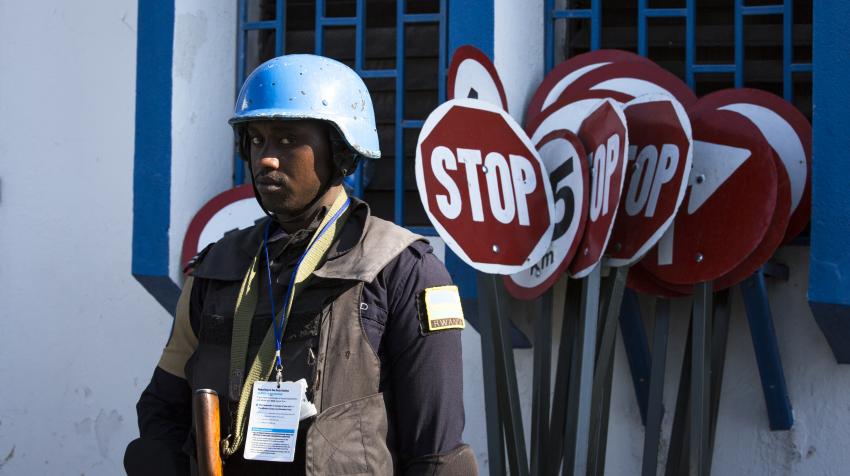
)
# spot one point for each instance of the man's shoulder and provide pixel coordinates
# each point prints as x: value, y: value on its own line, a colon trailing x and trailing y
x: 228, y: 258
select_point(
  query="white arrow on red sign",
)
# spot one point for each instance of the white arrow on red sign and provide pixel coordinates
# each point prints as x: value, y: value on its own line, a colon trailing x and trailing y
x: 484, y: 186
x: 789, y: 134
x: 732, y: 196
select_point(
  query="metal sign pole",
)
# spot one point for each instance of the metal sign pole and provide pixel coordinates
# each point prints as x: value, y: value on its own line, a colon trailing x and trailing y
x: 655, y: 407
x: 677, y: 454
x: 766, y: 347
x: 563, y: 374
x: 506, y: 384
x: 489, y: 349
x: 700, y: 383
x: 719, y: 337
x: 601, y: 394
x: 541, y: 383
x: 581, y: 380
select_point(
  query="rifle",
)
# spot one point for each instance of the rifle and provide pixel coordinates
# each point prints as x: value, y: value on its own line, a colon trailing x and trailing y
x: 207, y: 432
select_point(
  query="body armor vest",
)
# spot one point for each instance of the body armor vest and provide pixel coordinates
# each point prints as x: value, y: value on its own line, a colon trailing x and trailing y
x: 324, y: 343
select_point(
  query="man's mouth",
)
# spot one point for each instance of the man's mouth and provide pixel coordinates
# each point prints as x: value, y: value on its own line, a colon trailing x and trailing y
x: 269, y: 183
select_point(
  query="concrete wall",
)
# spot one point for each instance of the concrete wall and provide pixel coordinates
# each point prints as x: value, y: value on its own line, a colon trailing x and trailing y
x: 79, y: 335
x: 204, y: 87
x: 817, y: 385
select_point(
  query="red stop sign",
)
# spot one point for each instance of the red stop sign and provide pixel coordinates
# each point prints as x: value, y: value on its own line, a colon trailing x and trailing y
x: 605, y: 140
x: 484, y: 187
x: 660, y: 156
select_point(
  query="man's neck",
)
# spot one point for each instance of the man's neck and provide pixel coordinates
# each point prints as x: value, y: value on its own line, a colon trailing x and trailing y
x: 306, y: 217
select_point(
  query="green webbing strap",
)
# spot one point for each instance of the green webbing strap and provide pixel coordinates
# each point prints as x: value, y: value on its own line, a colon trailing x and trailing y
x: 246, y: 304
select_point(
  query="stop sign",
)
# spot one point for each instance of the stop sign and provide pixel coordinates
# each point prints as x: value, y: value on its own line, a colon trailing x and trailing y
x: 660, y: 156
x: 484, y: 187
x: 605, y: 139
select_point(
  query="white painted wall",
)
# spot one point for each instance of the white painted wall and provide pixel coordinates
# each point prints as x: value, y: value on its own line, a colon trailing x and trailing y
x: 204, y: 91
x: 78, y: 335
x: 518, y: 50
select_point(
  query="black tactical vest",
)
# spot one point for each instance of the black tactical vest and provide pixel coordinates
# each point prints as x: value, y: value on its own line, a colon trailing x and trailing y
x: 324, y: 343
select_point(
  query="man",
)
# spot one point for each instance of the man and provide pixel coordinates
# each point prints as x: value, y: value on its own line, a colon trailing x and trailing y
x: 357, y: 307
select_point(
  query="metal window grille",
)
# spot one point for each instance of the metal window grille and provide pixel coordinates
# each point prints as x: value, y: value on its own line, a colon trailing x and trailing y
x: 407, y: 81
x: 757, y: 43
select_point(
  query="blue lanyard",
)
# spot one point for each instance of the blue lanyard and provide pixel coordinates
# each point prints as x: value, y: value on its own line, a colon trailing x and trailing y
x: 278, y: 328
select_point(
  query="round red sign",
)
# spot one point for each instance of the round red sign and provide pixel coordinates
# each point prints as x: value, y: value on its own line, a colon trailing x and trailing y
x: 731, y: 198
x: 571, y: 70
x: 230, y: 210
x: 564, y: 158
x: 660, y: 157
x: 626, y: 81
x: 472, y: 75
x: 484, y: 186
x: 644, y: 282
x: 788, y: 132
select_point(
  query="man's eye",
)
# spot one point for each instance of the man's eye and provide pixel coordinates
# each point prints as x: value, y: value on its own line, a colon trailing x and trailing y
x: 286, y: 141
x: 256, y: 140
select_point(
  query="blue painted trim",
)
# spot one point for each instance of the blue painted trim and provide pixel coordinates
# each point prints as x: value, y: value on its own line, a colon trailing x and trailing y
x: 241, y: 34
x: 259, y: 25
x: 690, y: 42
x: 576, y: 13
x: 829, y: 265
x: 713, y: 68
x: 739, y: 44
x: 596, y: 24
x: 471, y: 22
x: 762, y: 10
x: 787, y: 49
x: 666, y: 12
x: 377, y: 73
x: 548, y: 33
x: 398, y: 181
x: 643, y: 48
x: 339, y: 21
x: 637, y: 349
x: 152, y: 166
x: 766, y: 347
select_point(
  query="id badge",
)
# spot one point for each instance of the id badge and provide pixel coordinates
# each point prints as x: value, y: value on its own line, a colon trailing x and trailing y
x: 273, y: 421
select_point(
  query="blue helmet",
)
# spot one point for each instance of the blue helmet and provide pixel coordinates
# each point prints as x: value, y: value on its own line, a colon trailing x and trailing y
x: 311, y: 87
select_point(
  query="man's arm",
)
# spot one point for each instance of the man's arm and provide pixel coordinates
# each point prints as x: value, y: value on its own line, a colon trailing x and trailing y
x: 426, y: 371
x: 165, y: 406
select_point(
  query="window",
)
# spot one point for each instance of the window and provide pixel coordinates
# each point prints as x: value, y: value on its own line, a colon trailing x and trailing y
x: 399, y: 48
x: 711, y: 44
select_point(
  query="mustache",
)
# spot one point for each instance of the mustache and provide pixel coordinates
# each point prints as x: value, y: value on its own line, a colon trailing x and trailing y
x: 269, y: 179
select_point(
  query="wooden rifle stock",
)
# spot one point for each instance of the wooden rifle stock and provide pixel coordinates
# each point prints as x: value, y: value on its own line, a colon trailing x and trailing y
x: 207, y: 432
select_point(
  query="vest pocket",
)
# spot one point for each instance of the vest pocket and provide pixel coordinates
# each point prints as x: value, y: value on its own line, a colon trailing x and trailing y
x: 350, y: 439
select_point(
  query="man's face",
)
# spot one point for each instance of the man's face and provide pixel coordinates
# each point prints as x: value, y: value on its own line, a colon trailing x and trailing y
x: 291, y: 161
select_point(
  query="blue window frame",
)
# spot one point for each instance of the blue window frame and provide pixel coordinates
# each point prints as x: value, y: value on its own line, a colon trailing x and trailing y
x: 592, y: 11
x: 271, y: 19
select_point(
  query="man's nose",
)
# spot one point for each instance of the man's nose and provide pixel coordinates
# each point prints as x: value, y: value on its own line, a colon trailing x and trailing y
x: 269, y: 161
